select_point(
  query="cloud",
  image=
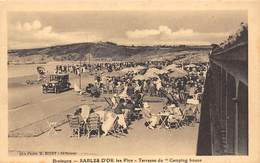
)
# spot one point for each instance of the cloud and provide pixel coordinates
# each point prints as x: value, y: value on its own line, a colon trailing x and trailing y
x: 35, y: 34
x: 27, y: 26
x: 164, y: 35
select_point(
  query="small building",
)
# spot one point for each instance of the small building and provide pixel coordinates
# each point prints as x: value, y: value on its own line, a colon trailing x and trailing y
x: 223, y: 128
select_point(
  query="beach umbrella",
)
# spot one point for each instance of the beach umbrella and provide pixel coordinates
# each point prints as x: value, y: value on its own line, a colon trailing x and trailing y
x: 150, y: 75
x: 152, y: 71
x: 190, y: 65
x: 146, y: 76
x: 170, y: 67
x: 128, y: 69
x: 156, y: 71
x: 177, y: 73
x: 140, y: 77
x: 116, y: 73
x: 133, y: 69
x: 162, y: 71
x: 140, y: 67
x: 152, y: 66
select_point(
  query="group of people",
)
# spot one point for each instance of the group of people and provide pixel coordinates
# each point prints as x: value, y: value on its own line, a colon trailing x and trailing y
x: 105, y: 67
x: 171, y: 116
x: 120, y: 110
x: 189, y: 85
x: 182, y: 94
x: 75, y: 69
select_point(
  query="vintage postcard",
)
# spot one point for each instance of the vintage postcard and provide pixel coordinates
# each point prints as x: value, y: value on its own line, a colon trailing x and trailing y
x: 133, y: 81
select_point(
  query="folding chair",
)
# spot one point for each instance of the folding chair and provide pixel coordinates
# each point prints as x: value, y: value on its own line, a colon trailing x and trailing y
x: 52, y: 129
x: 163, y: 120
x: 76, y: 126
x: 93, y: 125
x: 116, y: 129
x: 109, y: 102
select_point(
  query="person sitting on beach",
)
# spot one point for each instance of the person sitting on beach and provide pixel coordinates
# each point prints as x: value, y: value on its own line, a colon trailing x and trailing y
x: 94, y: 91
x: 78, y: 113
x: 129, y: 110
x: 177, y: 113
x: 93, y: 114
x: 120, y: 114
x: 85, y: 111
x: 151, y: 119
x: 107, y: 119
x: 189, y: 115
x: 137, y: 99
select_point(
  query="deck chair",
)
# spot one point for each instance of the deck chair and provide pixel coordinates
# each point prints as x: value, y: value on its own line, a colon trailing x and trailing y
x: 116, y: 129
x: 117, y: 99
x: 93, y: 125
x: 76, y: 126
x: 108, y: 100
x: 128, y: 117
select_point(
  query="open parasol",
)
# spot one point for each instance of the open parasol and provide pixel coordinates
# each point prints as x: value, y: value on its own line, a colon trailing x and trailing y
x: 140, y: 77
x: 170, y: 67
x: 177, y: 73
x: 116, y: 73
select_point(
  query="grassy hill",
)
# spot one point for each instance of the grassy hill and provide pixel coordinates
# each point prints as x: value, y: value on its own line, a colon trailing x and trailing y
x: 80, y: 51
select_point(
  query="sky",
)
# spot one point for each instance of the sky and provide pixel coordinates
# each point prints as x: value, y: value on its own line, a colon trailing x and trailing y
x: 42, y: 29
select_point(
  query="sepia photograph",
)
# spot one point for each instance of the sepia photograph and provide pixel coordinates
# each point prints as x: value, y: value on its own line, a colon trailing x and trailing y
x: 94, y: 83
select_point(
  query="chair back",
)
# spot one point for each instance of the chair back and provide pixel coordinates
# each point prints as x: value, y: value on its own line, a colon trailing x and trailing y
x: 115, y: 124
x: 74, y: 121
x: 108, y: 100
x: 93, y: 122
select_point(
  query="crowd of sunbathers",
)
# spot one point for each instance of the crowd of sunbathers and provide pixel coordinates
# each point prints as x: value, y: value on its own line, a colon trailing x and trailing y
x: 148, y: 83
x: 182, y: 96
